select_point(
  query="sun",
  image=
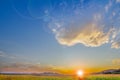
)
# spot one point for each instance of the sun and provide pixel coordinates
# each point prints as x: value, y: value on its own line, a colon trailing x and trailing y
x: 80, y: 73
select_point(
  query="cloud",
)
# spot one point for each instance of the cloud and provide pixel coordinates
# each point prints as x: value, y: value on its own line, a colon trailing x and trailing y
x: 89, y: 35
x: 92, y: 34
x: 92, y: 30
x: 3, y: 54
x: 27, y: 67
x: 107, y: 7
x: 118, y: 1
x: 116, y: 44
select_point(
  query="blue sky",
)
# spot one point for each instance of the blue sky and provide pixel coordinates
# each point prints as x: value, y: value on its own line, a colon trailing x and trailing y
x: 60, y: 33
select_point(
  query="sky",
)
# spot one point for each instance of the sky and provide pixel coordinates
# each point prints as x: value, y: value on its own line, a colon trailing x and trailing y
x: 59, y: 35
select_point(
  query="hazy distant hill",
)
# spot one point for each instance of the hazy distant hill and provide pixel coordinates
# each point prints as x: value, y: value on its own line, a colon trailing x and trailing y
x: 110, y: 71
x: 48, y: 74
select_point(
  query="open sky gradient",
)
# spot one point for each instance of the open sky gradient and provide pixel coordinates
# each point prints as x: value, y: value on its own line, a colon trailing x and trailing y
x: 59, y: 35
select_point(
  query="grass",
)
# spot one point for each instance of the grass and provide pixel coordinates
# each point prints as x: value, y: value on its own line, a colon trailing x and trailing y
x: 103, y: 77
x: 30, y: 77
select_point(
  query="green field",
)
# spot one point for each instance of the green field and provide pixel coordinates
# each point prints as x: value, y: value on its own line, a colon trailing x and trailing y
x: 29, y: 77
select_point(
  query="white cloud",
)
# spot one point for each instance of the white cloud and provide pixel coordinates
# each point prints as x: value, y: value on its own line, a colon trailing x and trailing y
x: 97, y: 17
x: 117, y: 1
x: 89, y: 35
x: 3, y: 54
x: 116, y: 44
x: 107, y: 7
x: 98, y: 30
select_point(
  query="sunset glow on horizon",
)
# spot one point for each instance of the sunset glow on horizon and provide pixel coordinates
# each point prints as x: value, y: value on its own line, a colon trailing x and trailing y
x: 80, y: 73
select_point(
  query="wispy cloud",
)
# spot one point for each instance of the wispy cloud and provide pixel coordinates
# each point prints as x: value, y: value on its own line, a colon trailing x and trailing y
x: 27, y: 67
x: 89, y: 35
x: 22, y: 65
x: 3, y: 54
x: 107, y: 7
x: 117, y: 1
x: 94, y: 33
x: 116, y: 44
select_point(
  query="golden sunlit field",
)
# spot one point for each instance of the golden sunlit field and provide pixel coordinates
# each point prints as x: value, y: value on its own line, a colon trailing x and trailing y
x: 30, y: 77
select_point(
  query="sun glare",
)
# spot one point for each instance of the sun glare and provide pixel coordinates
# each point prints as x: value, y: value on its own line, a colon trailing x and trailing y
x: 80, y: 73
